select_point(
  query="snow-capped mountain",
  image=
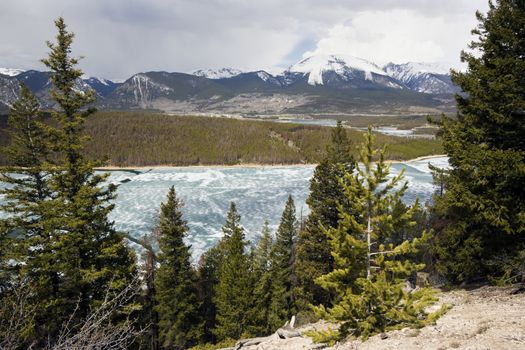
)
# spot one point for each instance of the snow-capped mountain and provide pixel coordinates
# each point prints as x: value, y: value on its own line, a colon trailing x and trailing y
x: 40, y: 84
x: 429, y: 78
x: 320, y: 83
x: 339, y: 70
x: 10, y: 72
x: 221, y: 73
x: 316, y: 65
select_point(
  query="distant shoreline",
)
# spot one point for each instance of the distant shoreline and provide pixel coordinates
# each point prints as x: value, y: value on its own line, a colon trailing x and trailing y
x: 247, y: 165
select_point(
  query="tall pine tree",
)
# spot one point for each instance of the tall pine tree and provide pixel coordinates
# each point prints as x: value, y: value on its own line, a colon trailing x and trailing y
x: 313, y: 249
x: 24, y: 237
x: 234, y: 290
x: 175, y: 282
x: 263, y: 276
x: 85, y: 257
x: 370, y: 269
x: 483, y: 206
x: 283, y: 267
x: 26, y: 179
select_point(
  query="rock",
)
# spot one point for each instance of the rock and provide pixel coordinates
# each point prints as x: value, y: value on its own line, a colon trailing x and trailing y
x: 286, y: 333
x: 383, y: 335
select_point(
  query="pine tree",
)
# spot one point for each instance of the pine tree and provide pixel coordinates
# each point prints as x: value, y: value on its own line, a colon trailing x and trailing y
x: 234, y: 290
x: 26, y: 177
x: 23, y: 236
x: 263, y: 283
x: 483, y: 206
x: 370, y: 270
x: 313, y: 250
x: 283, y: 267
x: 84, y: 257
x: 175, y: 283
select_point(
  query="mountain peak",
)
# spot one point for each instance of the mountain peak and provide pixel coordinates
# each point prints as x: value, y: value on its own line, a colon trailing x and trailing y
x: 10, y: 71
x: 430, y: 78
x: 220, y: 73
x: 420, y: 67
x: 316, y: 65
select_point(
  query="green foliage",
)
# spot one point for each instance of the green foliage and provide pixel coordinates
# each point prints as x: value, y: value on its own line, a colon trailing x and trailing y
x: 27, y: 186
x: 226, y: 343
x: 69, y: 252
x: 142, y: 139
x: 480, y: 218
x: 313, y: 250
x: 234, y: 290
x: 208, y: 272
x: 176, y: 292
x: 328, y: 336
x: 370, y: 268
x: 263, y: 277
x: 283, y: 268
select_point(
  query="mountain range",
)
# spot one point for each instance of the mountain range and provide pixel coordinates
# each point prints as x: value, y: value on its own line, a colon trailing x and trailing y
x: 315, y: 85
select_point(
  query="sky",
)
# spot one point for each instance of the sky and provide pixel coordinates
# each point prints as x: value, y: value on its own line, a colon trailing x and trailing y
x: 119, y: 38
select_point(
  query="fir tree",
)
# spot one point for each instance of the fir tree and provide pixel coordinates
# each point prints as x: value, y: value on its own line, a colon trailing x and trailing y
x: 27, y: 178
x: 175, y: 283
x: 208, y: 272
x: 149, y: 317
x: 483, y: 206
x: 23, y: 233
x: 283, y: 267
x: 313, y: 250
x: 233, y: 293
x: 370, y: 270
x: 84, y: 257
x: 263, y: 283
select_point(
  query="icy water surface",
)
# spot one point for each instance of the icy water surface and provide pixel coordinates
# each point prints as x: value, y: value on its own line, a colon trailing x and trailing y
x: 259, y: 192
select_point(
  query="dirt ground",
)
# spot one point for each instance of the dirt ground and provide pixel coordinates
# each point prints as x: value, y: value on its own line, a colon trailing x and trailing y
x: 484, y: 318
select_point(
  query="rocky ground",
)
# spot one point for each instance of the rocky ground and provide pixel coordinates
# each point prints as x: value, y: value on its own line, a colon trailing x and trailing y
x: 480, y: 318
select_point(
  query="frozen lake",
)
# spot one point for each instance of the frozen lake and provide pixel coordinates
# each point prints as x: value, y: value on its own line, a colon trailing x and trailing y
x: 259, y: 192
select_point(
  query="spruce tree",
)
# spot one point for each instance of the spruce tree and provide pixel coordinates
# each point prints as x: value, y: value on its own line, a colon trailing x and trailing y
x: 149, y: 318
x: 86, y: 258
x: 175, y: 282
x: 234, y: 290
x: 483, y: 206
x: 23, y: 235
x: 370, y: 270
x: 208, y: 279
x: 313, y: 250
x: 283, y: 267
x: 263, y: 283
x: 26, y: 179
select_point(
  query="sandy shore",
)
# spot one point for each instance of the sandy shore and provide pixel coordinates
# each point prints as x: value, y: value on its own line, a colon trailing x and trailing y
x: 246, y: 165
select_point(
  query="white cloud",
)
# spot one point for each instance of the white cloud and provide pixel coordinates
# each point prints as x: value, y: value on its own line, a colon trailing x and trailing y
x: 122, y: 37
x: 398, y: 36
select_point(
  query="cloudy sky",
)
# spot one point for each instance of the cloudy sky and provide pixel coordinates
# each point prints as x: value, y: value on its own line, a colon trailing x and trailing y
x: 122, y: 37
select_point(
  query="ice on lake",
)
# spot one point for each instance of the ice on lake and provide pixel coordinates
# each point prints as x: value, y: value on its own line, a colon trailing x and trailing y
x: 259, y: 193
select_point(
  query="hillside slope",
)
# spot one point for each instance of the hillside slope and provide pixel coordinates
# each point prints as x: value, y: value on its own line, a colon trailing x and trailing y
x: 485, y: 318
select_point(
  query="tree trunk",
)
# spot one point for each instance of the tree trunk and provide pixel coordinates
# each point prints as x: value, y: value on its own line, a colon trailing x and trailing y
x: 369, y: 255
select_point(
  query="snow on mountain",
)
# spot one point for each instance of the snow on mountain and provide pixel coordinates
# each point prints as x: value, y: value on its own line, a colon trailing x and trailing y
x: 407, y: 70
x: 430, y: 78
x: 217, y: 73
x: 10, y: 71
x: 316, y: 65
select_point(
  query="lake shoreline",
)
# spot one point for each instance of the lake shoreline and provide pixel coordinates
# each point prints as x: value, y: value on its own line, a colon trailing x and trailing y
x: 246, y: 165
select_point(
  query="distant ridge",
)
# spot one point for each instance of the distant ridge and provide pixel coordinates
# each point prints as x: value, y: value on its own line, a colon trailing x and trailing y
x: 316, y: 84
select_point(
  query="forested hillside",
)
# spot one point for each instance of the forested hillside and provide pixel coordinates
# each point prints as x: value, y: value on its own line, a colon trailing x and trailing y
x: 145, y: 139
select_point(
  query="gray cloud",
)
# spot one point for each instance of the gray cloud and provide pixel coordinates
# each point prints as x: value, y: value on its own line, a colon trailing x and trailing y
x: 122, y: 37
